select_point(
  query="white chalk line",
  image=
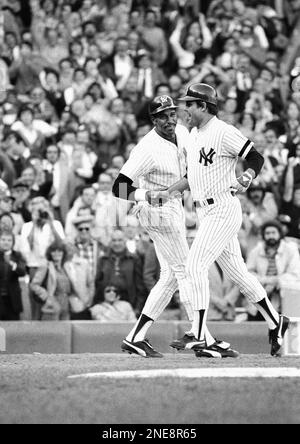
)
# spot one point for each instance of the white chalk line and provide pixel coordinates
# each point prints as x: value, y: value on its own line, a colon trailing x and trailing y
x: 196, y: 373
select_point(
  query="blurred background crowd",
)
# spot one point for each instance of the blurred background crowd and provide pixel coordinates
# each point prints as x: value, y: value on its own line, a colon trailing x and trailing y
x: 76, y: 77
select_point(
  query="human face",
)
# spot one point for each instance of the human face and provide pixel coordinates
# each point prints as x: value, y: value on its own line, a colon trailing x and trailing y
x: 110, y: 295
x: 28, y: 176
x: 27, y: 118
x: 5, y: 205
x: 6, y: 242
x: 52, y: 154
x: 293, y: 111
x: 165, y: 123
x: 118, y: 244
x: 6, y: 223
x: 84, y: 231
x: 272, y: 236
x: 122, y: 47
x: 260, y: 143
x: 256, y: 196
x: 118, y: 162
x: 195, y: 114
x: 105, y: 183
x: 21, y: 194
x: 88, y: 197
x: 57, y: 256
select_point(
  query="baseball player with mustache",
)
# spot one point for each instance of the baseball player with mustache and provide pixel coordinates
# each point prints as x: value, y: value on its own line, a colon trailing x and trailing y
x: 213, y: 152
x: 156, y: 163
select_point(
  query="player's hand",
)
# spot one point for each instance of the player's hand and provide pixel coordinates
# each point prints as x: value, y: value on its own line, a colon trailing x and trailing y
x: 243, y: 182
x: 157, y: 198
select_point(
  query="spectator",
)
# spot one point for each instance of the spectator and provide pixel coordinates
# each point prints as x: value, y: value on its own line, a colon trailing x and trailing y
x: 261, y: 207
x: 52, y: 285
x: 112, y: 309
x: 12, y: 267
x: 122, y: 268
x: 275, y: 262
x: 55, y: 166
x: 87, y: 247
x: 36, y: 237
x: 110, y: 212
x: 154, y: 38
x: 83, y: 281
x: 87, y: 199
x: 23, y: 73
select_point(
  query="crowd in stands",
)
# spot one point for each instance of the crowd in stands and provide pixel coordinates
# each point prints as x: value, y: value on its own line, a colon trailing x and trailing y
x: 76, y: 77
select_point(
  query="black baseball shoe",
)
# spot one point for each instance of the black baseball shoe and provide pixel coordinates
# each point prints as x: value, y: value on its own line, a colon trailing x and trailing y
x: 142, y: 348
x: 188, y: 342
x: 276, y: 336
x: 218, y: 350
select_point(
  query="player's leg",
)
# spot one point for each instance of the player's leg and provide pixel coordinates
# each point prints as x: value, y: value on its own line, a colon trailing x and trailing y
x: 158, y: 299
x: 174, y: 248
x: 233, y: 265
x: 217, y: 225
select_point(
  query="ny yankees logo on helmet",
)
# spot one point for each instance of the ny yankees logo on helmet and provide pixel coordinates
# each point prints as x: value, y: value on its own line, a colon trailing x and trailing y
x: 207, y: 158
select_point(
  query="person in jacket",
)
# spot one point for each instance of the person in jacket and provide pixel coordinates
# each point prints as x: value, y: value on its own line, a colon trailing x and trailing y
x: 112, y: 309
x: 275, y: 262
x: 122, y: 268
x: 52, y: 285
x: 12, y: 267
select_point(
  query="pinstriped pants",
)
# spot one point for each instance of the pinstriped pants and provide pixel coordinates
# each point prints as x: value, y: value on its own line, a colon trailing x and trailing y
x: 217, y: 240
x: 166, y: 227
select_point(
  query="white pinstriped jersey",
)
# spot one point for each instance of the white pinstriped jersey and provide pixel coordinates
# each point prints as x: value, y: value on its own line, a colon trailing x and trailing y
x: 212, y: 157
x: 155, y: 163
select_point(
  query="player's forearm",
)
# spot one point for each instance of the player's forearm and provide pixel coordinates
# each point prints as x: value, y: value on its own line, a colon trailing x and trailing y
x: 255, y: 162
x: 180, y: 186
x: 123, y: 189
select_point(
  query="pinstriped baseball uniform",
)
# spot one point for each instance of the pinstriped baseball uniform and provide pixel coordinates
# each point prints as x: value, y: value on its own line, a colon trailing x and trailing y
x: 156, y: 164
x: 212, y: 157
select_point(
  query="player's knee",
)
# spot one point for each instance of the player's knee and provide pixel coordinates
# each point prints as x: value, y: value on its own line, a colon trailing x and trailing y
x: 194, y: 271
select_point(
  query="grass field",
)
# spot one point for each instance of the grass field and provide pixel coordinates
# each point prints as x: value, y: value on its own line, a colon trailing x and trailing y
x: 36, y: 389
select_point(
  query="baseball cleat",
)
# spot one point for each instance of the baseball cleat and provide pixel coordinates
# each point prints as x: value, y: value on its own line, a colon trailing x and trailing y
x: 276, y: 336
x: 218, y: 350
x: 142, y: 348
x: 188, y: 342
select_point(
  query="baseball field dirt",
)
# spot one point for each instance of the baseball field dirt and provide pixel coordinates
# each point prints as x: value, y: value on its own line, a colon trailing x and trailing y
x: 40, y: 389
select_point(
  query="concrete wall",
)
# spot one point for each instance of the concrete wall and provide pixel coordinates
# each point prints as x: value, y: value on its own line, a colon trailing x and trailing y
x: 96, y: 337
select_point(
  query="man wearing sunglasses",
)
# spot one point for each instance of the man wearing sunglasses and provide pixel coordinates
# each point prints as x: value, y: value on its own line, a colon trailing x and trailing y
x: 86, y: 246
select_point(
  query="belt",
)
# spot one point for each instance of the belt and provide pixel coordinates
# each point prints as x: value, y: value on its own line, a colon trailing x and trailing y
x: 208, y: 202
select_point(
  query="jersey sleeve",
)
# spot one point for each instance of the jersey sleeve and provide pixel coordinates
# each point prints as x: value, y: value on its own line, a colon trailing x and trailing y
x: 140, y: 163
x: 235, y: 144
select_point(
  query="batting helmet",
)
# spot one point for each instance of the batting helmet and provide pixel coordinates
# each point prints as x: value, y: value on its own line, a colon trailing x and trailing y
x: 201, y: 92
x: 160, y: 104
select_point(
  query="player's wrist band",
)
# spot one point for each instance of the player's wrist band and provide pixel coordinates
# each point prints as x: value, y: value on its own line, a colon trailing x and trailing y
x: 140, y: 195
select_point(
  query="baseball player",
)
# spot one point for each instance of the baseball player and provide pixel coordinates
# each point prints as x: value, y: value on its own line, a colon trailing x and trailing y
x: 157, y: 162
x: 212, y: 156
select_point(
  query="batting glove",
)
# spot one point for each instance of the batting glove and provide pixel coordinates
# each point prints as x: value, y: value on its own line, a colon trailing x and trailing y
x: 243, y: 182
x: 157, y: 198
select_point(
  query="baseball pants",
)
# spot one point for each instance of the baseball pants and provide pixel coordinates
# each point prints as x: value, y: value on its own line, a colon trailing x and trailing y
x: 166, y: 227
x: 217, y: 240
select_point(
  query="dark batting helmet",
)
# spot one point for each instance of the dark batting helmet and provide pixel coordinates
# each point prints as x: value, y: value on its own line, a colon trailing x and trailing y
x: 160, y: 104
x: 201, y: 92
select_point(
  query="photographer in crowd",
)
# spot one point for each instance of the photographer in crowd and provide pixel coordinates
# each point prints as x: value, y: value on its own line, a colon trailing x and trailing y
x: 36, y: 237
